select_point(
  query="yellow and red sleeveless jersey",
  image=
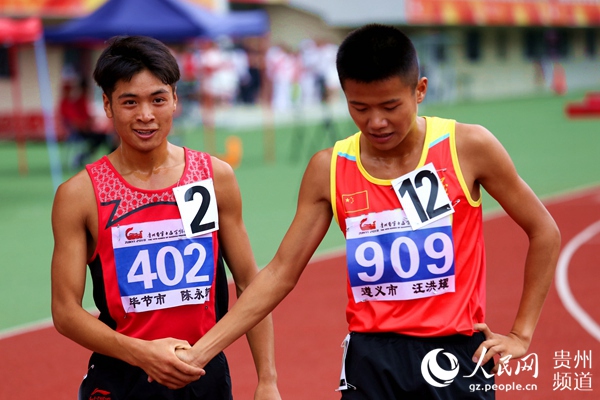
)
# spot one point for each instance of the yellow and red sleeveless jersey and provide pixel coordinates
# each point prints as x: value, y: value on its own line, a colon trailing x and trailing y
x: 150, y: 280
x: 420, y: 282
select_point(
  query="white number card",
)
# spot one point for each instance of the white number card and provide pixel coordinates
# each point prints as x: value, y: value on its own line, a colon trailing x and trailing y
x: 197, y: 205
x: 422, y: 196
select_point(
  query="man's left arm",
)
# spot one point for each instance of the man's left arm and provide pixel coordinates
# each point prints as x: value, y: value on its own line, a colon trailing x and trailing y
x: 496, y: 173
x: 240, y: 260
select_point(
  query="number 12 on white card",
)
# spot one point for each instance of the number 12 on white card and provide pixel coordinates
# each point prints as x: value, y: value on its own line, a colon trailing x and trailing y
x: 422, y: 196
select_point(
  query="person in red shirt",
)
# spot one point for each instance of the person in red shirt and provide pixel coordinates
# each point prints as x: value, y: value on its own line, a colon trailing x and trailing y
x: 156, y: 259
x: 78, y: 120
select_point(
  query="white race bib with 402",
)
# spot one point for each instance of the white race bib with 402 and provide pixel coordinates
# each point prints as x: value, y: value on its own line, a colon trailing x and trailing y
x: 159, y: 267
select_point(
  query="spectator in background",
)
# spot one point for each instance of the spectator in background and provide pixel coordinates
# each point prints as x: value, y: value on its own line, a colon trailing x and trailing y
x: 219, y: 76
x: 188, y: 88
x: 250, y: 89
x: 241, y: 63
x: 309, y: 74
x: 282, y: 70
x: 326, y: 70
x: 79, y: 122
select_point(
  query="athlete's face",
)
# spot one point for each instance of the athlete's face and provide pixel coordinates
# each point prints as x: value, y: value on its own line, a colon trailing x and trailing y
x: 384, y: 111
x: 142, y: 111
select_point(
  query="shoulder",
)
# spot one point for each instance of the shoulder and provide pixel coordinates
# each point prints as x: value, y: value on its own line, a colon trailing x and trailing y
x: 472, y: 134
x: 480, y: 153
x: 319, y: 165
x: 316, y: 178
x: 321, y: 159
x: 221, y: 169
x: 75, y: 196
x: 475, y: 141
x: 224, y: 179
x: 79, y: 184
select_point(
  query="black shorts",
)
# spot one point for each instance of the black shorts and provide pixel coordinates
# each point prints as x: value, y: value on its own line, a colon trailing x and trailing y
x: 112, y: 379
x: 388, y: 366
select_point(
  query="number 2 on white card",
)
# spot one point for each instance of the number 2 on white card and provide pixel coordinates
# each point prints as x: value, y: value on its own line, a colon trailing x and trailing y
x: 196, y: 225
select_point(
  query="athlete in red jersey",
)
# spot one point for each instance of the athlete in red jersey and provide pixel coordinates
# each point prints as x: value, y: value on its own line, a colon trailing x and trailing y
x: 154, y: 221
x: 139, y: 231
x: 412, y: 245
x: 370, y: 216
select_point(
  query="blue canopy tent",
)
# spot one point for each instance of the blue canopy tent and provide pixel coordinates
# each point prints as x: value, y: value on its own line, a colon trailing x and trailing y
x: 166, y: 20
x: 171, y: 21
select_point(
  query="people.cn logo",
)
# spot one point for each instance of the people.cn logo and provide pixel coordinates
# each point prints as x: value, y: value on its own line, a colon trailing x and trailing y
x: 436, y: 375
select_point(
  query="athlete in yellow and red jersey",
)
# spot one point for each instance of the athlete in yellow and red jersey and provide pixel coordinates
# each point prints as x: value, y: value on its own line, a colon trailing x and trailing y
x: 445, y: 298
x: 406, y: 192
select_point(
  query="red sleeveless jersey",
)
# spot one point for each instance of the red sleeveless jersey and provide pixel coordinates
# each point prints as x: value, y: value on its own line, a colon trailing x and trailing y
x: 420, y: 282
x: 150, y: 280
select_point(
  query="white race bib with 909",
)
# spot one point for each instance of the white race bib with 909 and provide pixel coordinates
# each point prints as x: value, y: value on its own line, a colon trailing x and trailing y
x: 159, y: 267
x: 388, y: 260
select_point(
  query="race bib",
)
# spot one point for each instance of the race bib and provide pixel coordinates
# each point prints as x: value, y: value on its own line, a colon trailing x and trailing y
x: 422, y: 196
x: 197, y: 204
x: 388, y: 260
x: 159, y: 267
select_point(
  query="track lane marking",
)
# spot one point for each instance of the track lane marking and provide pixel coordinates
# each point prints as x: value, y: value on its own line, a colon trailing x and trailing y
x: 562, y: 280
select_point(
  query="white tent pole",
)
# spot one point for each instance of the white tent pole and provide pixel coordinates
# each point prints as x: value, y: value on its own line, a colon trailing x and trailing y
x: 47, y: 109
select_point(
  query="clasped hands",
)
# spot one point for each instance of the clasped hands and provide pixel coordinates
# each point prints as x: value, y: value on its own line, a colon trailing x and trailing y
x: 177, y: 368
x: 169, y: 362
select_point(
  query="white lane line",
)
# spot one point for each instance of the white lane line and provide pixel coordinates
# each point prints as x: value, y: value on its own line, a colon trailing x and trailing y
x: 562, y: 280
x: 26, y: 328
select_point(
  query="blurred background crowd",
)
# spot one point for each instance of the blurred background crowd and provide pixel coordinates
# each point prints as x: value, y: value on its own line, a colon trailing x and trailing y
x: 276, y: 58
x: 232, y: 72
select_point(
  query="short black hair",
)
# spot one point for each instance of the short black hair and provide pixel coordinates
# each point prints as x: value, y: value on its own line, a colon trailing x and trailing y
x: 126, y: 56
x: 377, y: 52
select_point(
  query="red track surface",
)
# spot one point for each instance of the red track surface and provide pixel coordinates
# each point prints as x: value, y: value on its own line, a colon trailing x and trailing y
x: 310, y: 325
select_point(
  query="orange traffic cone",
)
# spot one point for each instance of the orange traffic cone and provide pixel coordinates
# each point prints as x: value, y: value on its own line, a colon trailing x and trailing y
x: 233, y: 151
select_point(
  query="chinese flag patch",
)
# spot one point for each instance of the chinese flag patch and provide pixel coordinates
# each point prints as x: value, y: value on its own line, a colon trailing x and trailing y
x: 355, y: 202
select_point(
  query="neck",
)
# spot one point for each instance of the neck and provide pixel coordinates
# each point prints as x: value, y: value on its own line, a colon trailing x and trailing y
x: 143, y: 162
x: 411, y: 143
x: 157, y: 169
x: 394, y: 162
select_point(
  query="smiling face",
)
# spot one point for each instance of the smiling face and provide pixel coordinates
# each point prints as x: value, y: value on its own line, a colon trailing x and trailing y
x: 384, y: 111
x: 142, y: 111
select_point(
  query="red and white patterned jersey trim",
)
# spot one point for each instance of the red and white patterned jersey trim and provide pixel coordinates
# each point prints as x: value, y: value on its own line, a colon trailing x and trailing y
x: 112, y: 188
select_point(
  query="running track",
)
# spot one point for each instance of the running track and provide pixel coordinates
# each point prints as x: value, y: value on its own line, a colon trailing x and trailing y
x: 310, y: 323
